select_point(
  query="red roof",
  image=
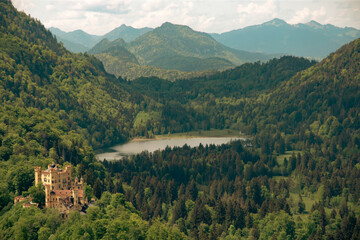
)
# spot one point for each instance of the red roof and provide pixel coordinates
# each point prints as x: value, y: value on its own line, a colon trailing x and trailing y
x: 66, y: 193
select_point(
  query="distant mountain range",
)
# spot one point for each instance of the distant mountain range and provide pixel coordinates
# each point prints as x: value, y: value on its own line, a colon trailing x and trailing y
x: 80, y: 41
x: 276, y: 36
x: 179, y: 46
x: 176, y: 51
x: 170, y: 47
x: 308, y: 40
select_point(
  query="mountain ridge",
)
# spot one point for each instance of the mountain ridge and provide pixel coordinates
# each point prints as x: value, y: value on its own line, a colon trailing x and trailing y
x: 310, y: 39
x: 170, y: 40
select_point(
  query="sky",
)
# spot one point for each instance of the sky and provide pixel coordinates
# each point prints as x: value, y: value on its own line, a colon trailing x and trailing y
x: 212, y: 16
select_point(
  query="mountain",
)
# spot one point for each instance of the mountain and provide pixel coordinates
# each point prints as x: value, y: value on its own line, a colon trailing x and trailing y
x: 127, y: 33
x: 119, y: 61
x: 179, y: 47
x: 116, y: 48
x: 77, y: 37
x: 40, y: 77
x: 80, y: 41
x: 276, y: 36
x: 72, y: 46
x: 321, y: 97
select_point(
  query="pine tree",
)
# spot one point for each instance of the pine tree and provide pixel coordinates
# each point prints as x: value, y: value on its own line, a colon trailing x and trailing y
x: 97, y: 189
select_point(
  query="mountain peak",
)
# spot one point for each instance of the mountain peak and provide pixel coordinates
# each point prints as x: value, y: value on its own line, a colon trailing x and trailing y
x: 314, y: 24
x: 167, y: 24
x: 277, y: 22
x: 171, y: 27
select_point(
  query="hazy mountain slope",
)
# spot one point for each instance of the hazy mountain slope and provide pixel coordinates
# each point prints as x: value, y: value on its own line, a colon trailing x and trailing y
x: 80, y: 41
x: 167, y: 43
x: 116, y: 48
x: 76, y: 41
x: 127, y: 33
x: 72, y: 46
x: 309, y: 40
x: 119, y: 61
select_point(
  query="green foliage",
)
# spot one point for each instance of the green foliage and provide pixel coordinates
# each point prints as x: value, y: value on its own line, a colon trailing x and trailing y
x: 279, y: 225
x: 131, y: 71
x: 38, y: 194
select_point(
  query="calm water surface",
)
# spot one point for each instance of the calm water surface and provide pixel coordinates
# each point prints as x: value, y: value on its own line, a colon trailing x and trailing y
x: 119, y: 151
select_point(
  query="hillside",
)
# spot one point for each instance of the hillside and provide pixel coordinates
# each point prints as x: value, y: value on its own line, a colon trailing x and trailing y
x: 119, y: 61
x: 116, y: 48
x: 55, y: 106
x: 307, y: 40
x: 325, y: 97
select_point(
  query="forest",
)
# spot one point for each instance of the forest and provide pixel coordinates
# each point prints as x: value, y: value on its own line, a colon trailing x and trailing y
x: 298, y: 179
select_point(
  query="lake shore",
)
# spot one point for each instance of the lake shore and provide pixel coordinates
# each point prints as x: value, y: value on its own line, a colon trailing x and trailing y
x: 215, y: 133
x: 192, y: 139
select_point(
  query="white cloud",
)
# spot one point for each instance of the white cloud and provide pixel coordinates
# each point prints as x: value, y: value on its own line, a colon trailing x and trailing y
x: 22, y: 4
x: 101, y: 16
x: 268, y: 8
x: 306, y: 15
x: 257, y: 12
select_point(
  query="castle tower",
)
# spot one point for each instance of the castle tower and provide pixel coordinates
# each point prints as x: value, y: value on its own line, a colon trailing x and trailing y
x: 76, y: 197
x: 47, y: 196
x: 37, y: 175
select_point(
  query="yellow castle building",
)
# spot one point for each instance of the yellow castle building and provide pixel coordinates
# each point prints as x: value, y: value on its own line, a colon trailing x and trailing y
x: 60, y: 191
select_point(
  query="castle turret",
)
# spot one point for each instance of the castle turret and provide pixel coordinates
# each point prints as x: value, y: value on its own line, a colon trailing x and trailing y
x: 37, y: 175
x: 47, y: 196
x: 76, y: 197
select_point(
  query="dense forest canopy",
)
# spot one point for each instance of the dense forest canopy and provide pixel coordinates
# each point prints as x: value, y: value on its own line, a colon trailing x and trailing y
x: 299, y: 179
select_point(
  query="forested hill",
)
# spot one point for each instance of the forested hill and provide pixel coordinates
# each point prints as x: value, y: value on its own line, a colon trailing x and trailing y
x: 39, y: 73
x: 54, y: 104
x: 247, y: 79
x: 321, y: 101
x: 118, y: 60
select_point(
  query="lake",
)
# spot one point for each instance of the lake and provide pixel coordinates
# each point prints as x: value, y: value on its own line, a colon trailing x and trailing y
x: 119, y: 151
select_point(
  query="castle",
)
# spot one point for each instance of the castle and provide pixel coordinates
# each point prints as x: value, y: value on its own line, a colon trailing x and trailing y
x: 60, y: 191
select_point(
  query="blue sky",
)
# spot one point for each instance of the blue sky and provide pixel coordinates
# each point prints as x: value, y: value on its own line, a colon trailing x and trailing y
x: 101, y: 16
